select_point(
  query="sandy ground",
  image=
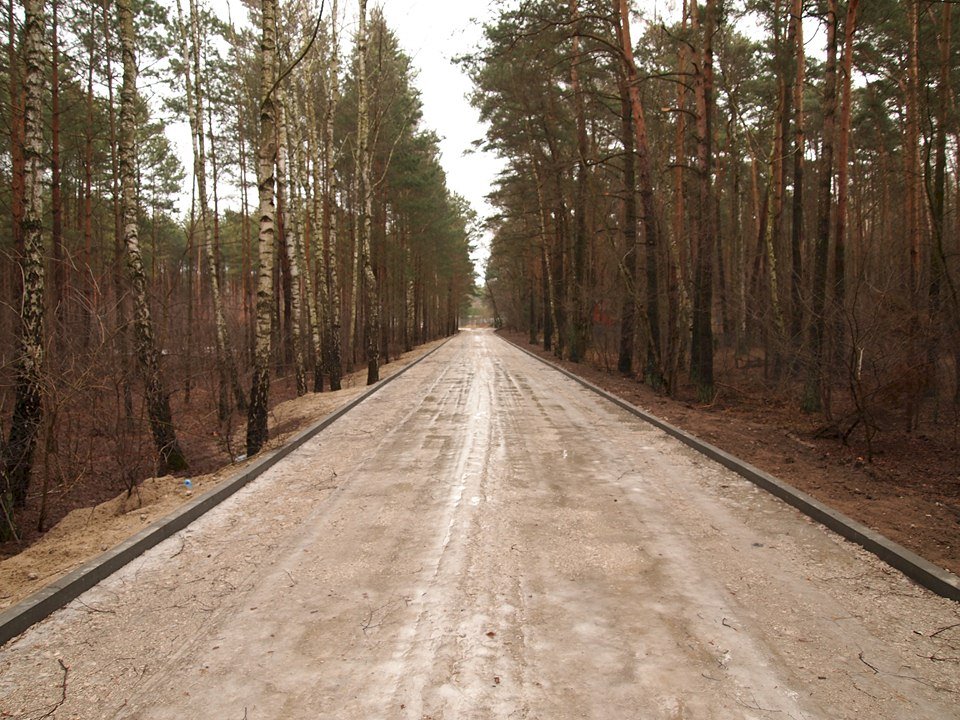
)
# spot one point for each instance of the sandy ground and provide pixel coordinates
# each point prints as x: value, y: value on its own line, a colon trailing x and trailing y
x: 486, y: 539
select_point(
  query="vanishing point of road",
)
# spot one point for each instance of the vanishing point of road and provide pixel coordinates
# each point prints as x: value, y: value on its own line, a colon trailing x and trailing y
x: 484, y: 538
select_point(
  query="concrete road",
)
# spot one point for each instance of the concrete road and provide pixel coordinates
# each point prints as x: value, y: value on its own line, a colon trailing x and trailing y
x: 486, y: 539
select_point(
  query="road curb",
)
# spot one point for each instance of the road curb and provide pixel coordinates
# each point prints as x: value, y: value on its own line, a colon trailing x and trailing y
x: 34, y: 608
x: 934, y: 578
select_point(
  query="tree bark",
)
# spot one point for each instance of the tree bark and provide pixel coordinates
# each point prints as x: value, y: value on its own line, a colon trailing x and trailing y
x: 840, y: 228
x: 580, y: 329
x: 797, y: 229
x: 157, y: 400
x: 701, y: 345
x: 15, y: 90
x: 56, y: 189
x: 28, y: 404
x: 814, y: 391
x: 266, y: 162
x: 92, y: 304
x: 291, y: 241
x: 365, y: 198
x: 654, y: 369
x: 550, y: 321
x: 307, y: 244
x: 630, y: 266
x: 911, y: 153
x: 334, y: 345
x: 118, y: 245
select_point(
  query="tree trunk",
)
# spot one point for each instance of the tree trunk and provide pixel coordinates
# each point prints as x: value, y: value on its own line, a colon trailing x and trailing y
x: 701, y: 345
x: 92, y: 304
x: 245, y: 235
x: 840, y: 230
x: 15, y: 90
x: 677, y: 245
x: 266, y: 161
x: 227, y: 369
x: 943, y: 324
x: 579, y: 331
x: 308, y: 244
x: 814, y: 391
x: 911, y: 155
x: 780, y: 152
x: 628, y: 314
x: 371, y: 327
x: 28, y: 405
x: 118, y: 245
x: 797, y: 230
x: 157, y: 400
x: 334, y: 347
x: 56, y: 190
x: 291, y: 241
x: 550, y: 321
x: 654, y: 369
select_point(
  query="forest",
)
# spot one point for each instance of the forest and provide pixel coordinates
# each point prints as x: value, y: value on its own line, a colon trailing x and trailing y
x: 765, y: 184
x: 693, y: 193
x: 142, y: 324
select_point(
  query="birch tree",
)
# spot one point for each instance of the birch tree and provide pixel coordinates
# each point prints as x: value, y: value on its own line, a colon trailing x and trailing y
x: 28, y: 407
x: 148, y: 356
x: 334, y: 349
x: 226, y: 366
x: 291, y: 236
x: 266, y: 163
x: 371, y: 325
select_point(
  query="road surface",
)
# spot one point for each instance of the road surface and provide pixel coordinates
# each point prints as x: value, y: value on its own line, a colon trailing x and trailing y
x: 484, y: 538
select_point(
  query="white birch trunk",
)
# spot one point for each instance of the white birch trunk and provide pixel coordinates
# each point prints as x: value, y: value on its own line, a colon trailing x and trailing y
x: 300, y: 200
x: 266, y: 160
x: 371, y: 325
x: 28, y: 407
x: 290, y: 227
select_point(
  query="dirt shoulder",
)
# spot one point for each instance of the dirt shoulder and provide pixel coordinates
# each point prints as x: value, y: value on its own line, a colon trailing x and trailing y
x: 85, y: 532
x: 910, y: 492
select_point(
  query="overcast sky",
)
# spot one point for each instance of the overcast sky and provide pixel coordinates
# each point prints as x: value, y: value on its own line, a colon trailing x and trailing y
x: 432, y: 33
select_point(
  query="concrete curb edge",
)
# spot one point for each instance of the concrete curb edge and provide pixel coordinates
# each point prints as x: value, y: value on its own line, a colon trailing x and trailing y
x: 34, y: 608
x: 934, y: 578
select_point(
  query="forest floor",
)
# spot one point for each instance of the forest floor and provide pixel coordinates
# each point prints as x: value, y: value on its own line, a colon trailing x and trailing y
x: 909, y: 491
x: 90, y: 516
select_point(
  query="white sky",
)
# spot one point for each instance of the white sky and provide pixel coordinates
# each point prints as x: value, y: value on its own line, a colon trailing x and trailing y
x: 432, y: 33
